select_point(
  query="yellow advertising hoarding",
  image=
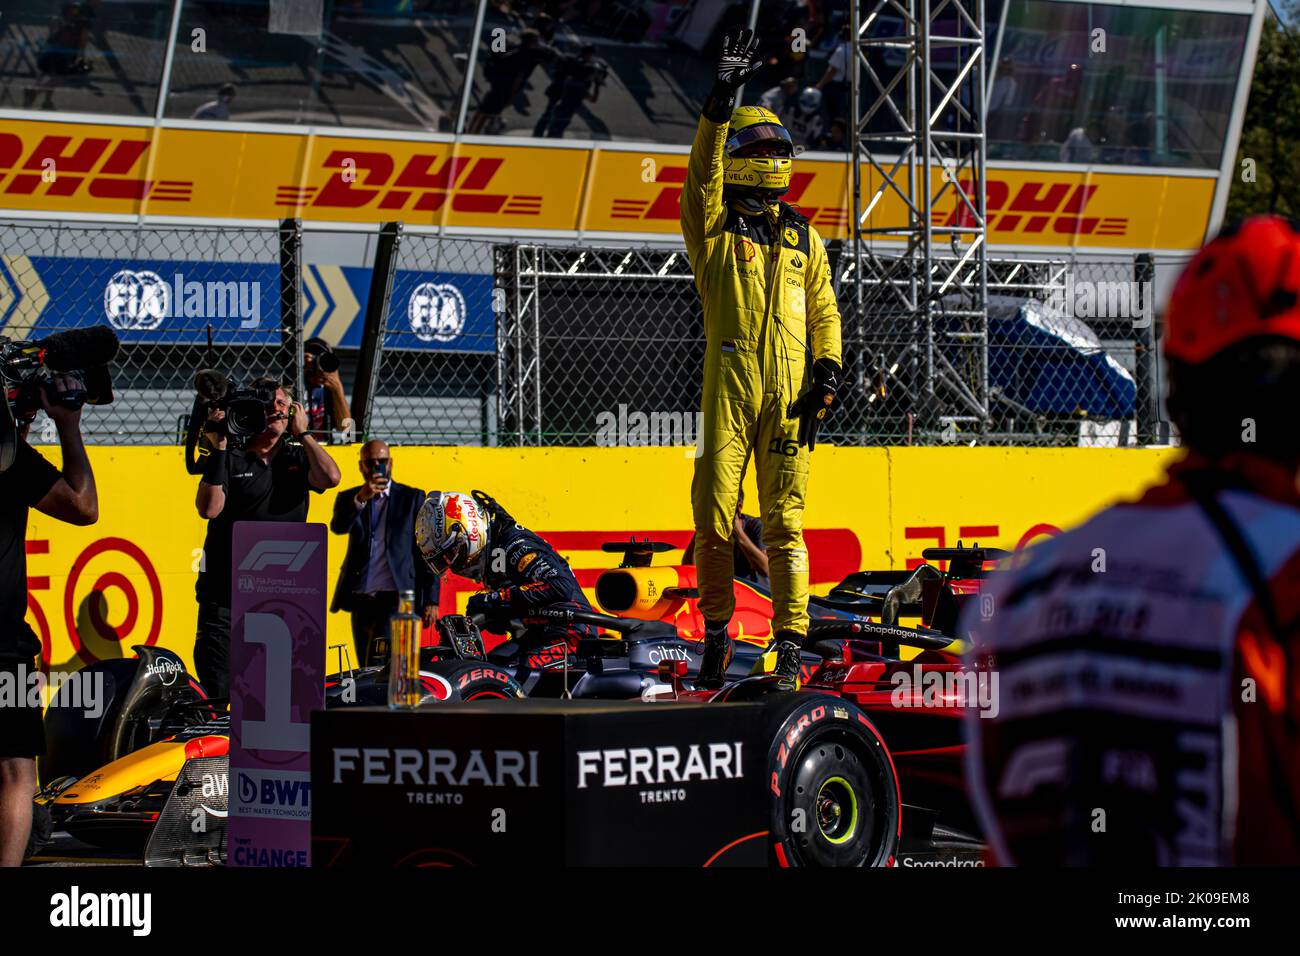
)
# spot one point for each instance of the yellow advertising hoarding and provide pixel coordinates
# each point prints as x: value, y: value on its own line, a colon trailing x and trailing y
x: 64, y: 169
x: 95, y: 592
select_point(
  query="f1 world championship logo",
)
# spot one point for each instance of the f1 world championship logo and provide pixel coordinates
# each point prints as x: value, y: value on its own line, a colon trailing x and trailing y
x: 425, y: 183
x: 290, y: 555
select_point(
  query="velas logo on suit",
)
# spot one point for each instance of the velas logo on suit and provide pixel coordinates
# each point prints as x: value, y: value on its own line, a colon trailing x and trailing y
x: 290, y: 555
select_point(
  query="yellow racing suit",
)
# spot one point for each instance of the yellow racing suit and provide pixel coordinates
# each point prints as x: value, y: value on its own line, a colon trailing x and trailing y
x: 765, y: 283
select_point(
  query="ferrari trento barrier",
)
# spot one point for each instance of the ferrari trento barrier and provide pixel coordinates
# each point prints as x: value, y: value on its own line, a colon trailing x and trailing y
x: 785, y: 779
x: 539, y: 783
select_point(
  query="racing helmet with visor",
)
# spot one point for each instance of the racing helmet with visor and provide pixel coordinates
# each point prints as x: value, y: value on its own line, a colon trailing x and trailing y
x: 451, y: 532
x: 759, y: 155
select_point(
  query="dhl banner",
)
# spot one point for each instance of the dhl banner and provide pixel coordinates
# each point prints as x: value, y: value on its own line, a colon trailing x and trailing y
x: 95, y: 592
x: 62, y: 168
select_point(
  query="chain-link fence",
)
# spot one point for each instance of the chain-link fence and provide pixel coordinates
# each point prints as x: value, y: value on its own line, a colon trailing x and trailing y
x: 604, y: 346
x: 503, y: 343
x: 437, y: 374
x: 162, y: 289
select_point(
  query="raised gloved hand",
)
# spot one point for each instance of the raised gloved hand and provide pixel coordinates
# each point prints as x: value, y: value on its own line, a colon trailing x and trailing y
x: 739, y: 59
x: 812, y: 407
x: 737, y: 63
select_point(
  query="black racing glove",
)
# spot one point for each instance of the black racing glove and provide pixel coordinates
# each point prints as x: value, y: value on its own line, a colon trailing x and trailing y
x: 491, y: 605
x: 738, y: 62
x: 812, y: 407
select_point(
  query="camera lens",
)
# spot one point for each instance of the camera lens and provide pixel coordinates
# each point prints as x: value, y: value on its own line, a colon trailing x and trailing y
x: 246, y: 417
x: 327, y: 362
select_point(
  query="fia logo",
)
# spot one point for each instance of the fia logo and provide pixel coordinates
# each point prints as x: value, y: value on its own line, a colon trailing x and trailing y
x: 436, y: 311
x: 136, y: 301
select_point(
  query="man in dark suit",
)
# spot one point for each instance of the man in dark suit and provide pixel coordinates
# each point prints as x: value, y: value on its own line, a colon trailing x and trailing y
x: 379, y: 519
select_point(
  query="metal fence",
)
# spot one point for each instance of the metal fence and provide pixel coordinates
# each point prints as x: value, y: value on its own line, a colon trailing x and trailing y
x: 159, y: 286
x: 485, y: 343
x: 604, y: 346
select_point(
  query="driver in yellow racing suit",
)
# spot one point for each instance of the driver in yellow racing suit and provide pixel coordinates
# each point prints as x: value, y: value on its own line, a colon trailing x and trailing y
x: 765, y: 283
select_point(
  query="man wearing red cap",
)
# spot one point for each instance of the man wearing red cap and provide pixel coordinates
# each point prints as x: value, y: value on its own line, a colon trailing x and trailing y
x: 1149, y: 697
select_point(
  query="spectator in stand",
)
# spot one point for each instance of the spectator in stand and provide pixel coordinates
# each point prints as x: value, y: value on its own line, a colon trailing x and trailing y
x: 782, y: 98
x: 805, y: 121
x: 218, y: 109
x: 507, y: 73
x: 835, y: 139
x: 63, y: 54
x: 1078, y: 146
x: 1003, y: 118
x: 834, y: 83
x: 577, y: 79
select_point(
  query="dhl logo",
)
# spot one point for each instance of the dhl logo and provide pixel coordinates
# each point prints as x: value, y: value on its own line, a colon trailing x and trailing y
x: 104, y: 165
x: 666, y: 204
x: 426, y: 183
x: 1037, y: 207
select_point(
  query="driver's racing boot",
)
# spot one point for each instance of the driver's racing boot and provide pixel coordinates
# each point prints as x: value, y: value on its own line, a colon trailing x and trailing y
x: 788, y: 660
x: 718, y: 652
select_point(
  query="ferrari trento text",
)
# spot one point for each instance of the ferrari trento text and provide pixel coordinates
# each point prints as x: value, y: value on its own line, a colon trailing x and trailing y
x: 645, y: 765
x: 432, y: 767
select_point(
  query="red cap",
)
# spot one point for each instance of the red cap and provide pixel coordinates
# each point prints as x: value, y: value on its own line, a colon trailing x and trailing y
x: 1245, y: 283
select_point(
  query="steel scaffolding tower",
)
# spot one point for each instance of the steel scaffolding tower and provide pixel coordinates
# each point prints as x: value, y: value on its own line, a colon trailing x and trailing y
x: 918, y: 257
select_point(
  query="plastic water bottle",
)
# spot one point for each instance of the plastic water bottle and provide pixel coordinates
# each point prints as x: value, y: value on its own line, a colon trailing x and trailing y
x: 404, y: 689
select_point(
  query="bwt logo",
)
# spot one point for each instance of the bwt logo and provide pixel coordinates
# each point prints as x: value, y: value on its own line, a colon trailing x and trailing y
x: 138, y: 301
x: 273, y: 792
x: 437, y: 312
x: 290, y: 555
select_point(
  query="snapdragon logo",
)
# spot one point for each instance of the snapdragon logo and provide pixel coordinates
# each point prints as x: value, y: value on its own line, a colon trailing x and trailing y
x: 925, y: 688
x: 76, y: 909
x: 140, y: 301
x: 1084, y: 299
x: 78, y: 690
x: 655, y: 429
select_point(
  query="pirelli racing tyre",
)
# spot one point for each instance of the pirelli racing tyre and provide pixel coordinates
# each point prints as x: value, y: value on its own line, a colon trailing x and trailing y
x: 831, y: 784
x: 468, y: 680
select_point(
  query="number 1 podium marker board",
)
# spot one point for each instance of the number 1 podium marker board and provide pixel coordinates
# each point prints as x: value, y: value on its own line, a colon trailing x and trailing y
x: 277, y: 678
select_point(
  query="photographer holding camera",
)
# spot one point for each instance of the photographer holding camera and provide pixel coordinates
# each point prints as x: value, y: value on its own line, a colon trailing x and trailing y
x: 326, y: 403
x: 68, y: 495
x: 267, y: 479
